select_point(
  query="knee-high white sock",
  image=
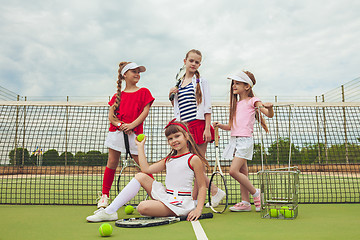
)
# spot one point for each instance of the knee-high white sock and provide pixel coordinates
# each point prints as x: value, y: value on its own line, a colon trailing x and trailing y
x: 128, y: 192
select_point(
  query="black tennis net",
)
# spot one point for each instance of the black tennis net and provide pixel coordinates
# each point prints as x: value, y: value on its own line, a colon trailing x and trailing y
x: 54, y: 153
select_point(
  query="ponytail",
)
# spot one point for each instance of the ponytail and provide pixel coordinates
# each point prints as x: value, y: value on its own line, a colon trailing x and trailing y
x: 198, y: 93
x: 233, y: 104
x: 120, y: 78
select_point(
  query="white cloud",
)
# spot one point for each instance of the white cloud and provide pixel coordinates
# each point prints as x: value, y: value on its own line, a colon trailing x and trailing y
x: 73, y: 47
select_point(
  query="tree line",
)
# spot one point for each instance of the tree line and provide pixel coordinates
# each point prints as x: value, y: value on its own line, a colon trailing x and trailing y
x: 276, y: 153
x: 52, y: 158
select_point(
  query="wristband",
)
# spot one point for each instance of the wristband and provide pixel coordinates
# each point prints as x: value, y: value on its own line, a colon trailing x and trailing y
x: 119, y: 124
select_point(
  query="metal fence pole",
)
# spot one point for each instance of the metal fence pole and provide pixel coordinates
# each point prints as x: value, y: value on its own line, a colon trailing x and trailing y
x: 345, y: 132
x: 326, y: 148
x: 23, y: 142
x: 318, y: 130
x: 66, y: 130
x: 277, y: 134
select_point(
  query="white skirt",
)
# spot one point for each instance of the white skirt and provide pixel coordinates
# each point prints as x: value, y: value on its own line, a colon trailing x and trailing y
x: 242, y: 147
x: 115, y: 140
x: 180, y: 205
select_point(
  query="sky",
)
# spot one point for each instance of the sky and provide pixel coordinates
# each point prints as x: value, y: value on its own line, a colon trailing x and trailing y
x: 73, y: 48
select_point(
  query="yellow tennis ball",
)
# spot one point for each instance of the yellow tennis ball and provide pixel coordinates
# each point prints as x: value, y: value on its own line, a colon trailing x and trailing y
x: 129, y: 209
x: 105, y: 230
x: 274, y: 213
x: 283, y: 209
x: 140, y: 137
x: 289, y: 214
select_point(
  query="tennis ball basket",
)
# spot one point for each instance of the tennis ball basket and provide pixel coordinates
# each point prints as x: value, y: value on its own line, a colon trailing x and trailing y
x: 279, y: 193
x: 279, y: 187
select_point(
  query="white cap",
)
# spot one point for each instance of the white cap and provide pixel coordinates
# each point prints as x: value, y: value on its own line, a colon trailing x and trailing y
x: 132, y: 65
x: 241, y: 77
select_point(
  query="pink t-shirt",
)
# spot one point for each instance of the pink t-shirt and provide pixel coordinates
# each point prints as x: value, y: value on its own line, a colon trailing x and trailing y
x: 243, y: 124
x: 131, y: 106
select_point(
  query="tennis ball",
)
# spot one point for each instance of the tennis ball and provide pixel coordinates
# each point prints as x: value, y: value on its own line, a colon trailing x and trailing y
x: 129, y: 209
x: 289, y: 214
x: 283, y: 209
x: 274, y: 213
x: 140, y: 137
x: 105, y: 230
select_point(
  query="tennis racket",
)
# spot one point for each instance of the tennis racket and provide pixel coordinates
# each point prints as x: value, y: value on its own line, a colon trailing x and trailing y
x: 128, y: 170
x: 218, y: 179
x: 141, y: 222
x: 179, y: 77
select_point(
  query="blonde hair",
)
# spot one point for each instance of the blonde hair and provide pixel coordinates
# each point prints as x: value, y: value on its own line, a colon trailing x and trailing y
x: 198, y: 93
x: 193, y: 147
x: 234, y: 98
x: 120, y: 78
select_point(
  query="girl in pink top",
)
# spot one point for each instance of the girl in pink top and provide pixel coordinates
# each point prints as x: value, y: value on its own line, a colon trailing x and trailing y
x: 243, y: 111
x: 128, y: 110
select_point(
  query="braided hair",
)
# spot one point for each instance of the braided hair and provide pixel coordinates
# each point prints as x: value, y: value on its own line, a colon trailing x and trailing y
x: 119, y: 81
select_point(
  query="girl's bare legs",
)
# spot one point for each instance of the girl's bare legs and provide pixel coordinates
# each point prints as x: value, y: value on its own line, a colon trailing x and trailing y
x: 151, y: 207
x: 109, y: 174
x: 108, y: 178
x: 237, y: 172
x: 146, y: 181
x: 203, y: 148
x: 113, y: 159
x: 154, y: 208
x: 244, y: 192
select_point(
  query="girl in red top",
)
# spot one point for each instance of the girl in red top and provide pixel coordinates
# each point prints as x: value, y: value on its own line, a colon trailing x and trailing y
x: 128, y: 110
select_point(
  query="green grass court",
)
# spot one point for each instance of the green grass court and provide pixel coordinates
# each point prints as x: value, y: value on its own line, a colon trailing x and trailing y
x: 82, y: 189
x: 315, y: 221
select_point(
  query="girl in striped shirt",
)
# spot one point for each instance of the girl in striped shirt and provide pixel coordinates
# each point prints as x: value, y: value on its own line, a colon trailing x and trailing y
x: 192, y: 104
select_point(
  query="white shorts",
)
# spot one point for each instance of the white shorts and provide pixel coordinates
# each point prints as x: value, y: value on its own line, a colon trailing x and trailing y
x: 242, y: 147
x: 115, y: 141
x: 180, y: 205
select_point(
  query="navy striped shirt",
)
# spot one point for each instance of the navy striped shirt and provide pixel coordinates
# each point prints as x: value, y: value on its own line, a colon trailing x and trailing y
x: 187, y: 103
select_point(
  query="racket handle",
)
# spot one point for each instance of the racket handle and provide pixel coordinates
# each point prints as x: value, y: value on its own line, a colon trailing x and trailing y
x: 202, y: 216
x: 216, y: 135
x: 206, y: 215
x: 172, y: 95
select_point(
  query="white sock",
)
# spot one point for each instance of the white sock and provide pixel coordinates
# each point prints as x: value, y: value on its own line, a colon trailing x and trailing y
x: 216, y: 192
x: 246, y: 203
x: 128, y: 192
x: 257, y: 193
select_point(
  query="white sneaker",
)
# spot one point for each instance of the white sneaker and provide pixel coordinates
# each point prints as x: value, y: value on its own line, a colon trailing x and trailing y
x: 101, y: 216
x: 103, y: 201
x: 216, y: 199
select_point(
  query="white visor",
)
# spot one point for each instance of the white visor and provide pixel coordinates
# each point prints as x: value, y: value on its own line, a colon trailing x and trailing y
x: 132, y: 66
x: 241, y: 77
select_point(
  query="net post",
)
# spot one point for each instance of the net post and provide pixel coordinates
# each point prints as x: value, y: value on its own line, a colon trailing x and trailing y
x: 290, y: 136
x: 23, y: 142
x: 66, y: 129
x: 325, y: 135
x: 345, y: 132
x: 277, y: 133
